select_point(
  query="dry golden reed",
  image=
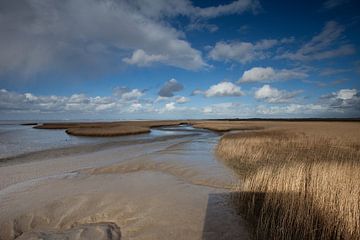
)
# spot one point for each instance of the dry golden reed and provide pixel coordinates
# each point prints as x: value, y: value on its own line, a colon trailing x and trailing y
x: 296, y: 185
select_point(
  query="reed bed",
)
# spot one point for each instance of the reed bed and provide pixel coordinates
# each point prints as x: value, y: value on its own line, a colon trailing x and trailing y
x: 297, y: 184
x: 224, y: 126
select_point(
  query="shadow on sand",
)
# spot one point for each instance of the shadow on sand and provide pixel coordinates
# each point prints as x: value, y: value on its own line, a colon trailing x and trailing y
x: 221, y: 219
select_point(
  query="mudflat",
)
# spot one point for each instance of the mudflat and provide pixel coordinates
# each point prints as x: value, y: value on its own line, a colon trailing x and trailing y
x: 161, y: 189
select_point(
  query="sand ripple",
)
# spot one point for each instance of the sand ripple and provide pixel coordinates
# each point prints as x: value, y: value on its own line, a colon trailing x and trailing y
x: 95, y: 231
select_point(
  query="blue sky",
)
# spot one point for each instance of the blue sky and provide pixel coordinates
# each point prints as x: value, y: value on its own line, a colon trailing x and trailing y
x: 152, y: 59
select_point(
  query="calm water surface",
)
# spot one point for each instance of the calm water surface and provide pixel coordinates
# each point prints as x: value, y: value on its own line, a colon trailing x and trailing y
x: 16, y: 139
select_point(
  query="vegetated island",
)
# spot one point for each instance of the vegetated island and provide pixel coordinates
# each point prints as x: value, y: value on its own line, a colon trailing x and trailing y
x: 108, y: 129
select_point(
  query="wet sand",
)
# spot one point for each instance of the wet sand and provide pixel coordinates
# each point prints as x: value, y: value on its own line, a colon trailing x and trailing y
x: 173, y: 189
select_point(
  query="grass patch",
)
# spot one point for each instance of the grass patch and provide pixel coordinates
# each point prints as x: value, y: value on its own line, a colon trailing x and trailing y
x: 298, y: 182
x: 224, y: 126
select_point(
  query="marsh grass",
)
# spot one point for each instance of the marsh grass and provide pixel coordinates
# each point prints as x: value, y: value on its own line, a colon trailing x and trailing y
x: 296, y: 185
x: 224, y: 126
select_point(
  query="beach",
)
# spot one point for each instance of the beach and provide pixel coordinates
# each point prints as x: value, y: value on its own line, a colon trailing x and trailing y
x: 167, y: 186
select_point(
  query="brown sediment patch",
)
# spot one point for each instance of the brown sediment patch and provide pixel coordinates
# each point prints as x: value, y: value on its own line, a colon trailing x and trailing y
x: 184, y: 173
x: 95, y: 231
x: 108, y: 129
x: 146, y: 205
x: 301, y: 179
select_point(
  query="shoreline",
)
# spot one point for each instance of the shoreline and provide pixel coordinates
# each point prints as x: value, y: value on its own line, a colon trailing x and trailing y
x: 186, y: 190
x: 79, y: 149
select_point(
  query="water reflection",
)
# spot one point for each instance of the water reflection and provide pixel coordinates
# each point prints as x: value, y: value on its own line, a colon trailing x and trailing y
x: 16, y: 139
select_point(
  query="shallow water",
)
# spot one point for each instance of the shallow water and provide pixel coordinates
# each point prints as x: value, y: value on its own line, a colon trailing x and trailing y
x: 16, y: 139
x: 157, y: 189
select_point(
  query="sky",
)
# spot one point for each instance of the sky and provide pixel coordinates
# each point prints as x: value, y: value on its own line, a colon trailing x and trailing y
x: 159, y: 59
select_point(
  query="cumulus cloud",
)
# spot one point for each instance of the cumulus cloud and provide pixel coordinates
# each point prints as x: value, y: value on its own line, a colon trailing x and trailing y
x: 127, y: 94
x: 123, y: 100
x: 346, y: 94
x: 322, y: 46
x: 45, y: 36
x: 38, y: 37
x: 343, y: 103
x: 245, y: 52
x: 230, y: 109
x: 223, y: 89
x: 268, y: 74
x: 177, y: 99
x: 344, y: 100
x: 274, y: 95
x: 181, y: 99
x: 170, y: 106
x: 303, y: 110
x: 141, y: 58
x: 170, y: 87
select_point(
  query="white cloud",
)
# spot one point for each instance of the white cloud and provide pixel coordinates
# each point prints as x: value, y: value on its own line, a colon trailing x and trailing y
x: 322, y: 46
x: 41, y: 37
x: 226, y: 109
x: 346, y: 94
x: 235, y: 7
x: 170, y: 106
x: 181, y: 99
x: 38, y: 37
x: 127, y: 94
x: 274, y: 95
x: 177, y: 99
x: 140, y: 58
x: 343, y: 100
x: 13, y: 102
x: 223, y: 89
x: 268, y: 74
x: 243, y: 52
x: 164, y: 8
x: 133, y: 94
x: 303, y: 110
x: 28, y: 96
x: 343, y: 103
x: 160, y: 98
x: 134, y: 107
